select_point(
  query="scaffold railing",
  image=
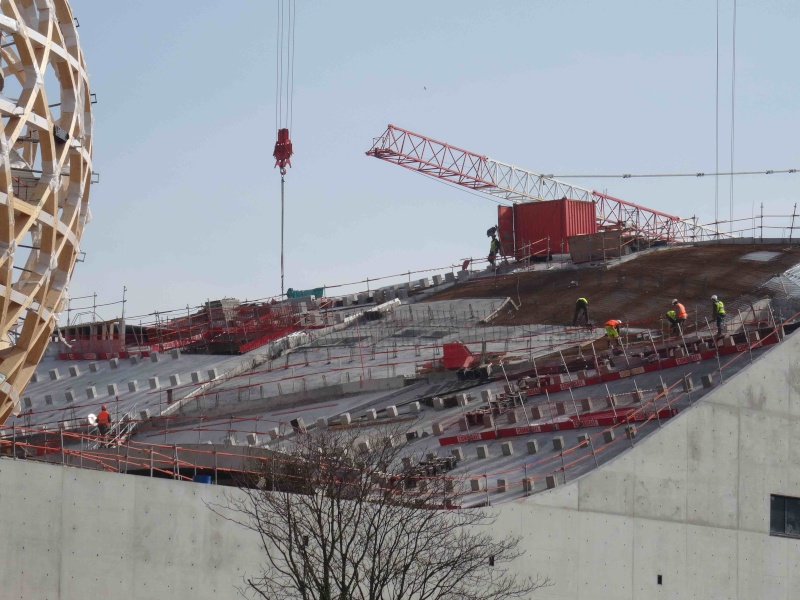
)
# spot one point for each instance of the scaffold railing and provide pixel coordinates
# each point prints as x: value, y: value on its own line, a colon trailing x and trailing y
x: 608, y: 432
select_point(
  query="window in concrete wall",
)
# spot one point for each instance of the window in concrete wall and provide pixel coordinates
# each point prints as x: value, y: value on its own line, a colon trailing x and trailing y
x: 784, y: 517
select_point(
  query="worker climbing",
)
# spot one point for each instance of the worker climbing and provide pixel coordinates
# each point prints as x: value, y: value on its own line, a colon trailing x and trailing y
x: 718, y: 310
x: 495, y: 247
x: 581, y: 309
x: 612, y: 331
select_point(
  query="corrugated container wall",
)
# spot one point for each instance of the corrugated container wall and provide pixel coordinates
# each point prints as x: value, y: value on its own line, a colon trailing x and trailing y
x: 525, y: 228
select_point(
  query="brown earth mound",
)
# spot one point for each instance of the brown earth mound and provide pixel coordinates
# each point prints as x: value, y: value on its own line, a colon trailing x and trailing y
x: 638, y: 290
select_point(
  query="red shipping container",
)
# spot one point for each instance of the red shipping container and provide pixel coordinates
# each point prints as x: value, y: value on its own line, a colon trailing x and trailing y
x: 524, y: 229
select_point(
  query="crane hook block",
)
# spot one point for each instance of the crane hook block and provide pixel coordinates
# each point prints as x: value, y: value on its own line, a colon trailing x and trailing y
x: 283, y: 150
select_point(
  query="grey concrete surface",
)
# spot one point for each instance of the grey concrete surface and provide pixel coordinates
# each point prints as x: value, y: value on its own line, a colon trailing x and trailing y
x: 76, y: 534
x: 690, y: 502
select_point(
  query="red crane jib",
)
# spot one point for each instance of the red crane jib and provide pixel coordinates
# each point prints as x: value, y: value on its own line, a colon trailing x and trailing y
x: 283, y: 150
x: 517, y: 186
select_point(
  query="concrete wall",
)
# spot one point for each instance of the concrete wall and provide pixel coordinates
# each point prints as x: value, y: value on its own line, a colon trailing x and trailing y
x: 67, y: 533
x: 689, y: 503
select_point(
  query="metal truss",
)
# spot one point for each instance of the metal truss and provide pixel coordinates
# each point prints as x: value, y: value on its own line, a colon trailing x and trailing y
x: 512, y: 184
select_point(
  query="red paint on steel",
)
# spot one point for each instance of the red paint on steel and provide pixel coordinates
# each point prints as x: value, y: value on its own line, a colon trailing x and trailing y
x: 505, y: 229
x: 283, y: 150
x: 666, y: 363
x: 478, y: 172
x: 456, y: 355
x: 636, y: 206
x: 604, y: 418
x: 537, y: 228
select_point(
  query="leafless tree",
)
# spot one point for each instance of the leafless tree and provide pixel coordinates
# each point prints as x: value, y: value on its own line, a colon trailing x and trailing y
x: 343, y: 516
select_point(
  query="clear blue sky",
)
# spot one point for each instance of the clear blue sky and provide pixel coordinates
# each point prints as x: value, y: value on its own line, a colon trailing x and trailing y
x: 188, y: 207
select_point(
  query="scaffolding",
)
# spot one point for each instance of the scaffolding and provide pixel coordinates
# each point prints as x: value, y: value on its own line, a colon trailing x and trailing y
x: 218, y: 327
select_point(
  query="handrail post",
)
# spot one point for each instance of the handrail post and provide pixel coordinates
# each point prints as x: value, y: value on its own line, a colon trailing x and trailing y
x: 591, y: 445
x: 641, y: 401
x: 655, y: 350
x: 716, y: 349
x: 525, y: 479
x: 666, y: 393
x: 746, y: 336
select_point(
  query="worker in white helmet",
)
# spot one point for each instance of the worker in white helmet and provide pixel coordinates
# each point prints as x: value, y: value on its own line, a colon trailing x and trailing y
x: 718, y: 311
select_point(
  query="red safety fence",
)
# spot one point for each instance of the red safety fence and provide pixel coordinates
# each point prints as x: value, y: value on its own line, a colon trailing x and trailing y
x: 173, y: 460
x: 215, y: 328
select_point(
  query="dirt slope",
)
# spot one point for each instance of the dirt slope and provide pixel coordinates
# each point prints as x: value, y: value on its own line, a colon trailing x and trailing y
x: 638, y: 290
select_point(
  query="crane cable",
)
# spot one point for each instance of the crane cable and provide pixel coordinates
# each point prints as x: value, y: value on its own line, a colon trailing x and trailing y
x: 284, y: 97
x: 733, y: 112
x: 716, y: 137
x: 284, y: 69
x: 656, y: 175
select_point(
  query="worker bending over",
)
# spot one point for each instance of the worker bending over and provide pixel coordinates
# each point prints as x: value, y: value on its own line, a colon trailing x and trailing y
x: 581, y: 308
x: 677, y: 316
x: 612, y: 331
x: 718, y: 310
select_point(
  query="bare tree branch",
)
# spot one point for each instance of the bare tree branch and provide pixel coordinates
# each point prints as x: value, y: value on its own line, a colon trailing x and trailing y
x: 349, y: 516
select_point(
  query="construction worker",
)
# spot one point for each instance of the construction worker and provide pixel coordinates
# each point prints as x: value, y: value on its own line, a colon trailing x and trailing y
x: 495, y: 248
x: 103, y: 424
x: 680, y: 314
x: 718, y: 310
x: 672, y: 317
x: 581, y: 308
x: 612, y: 330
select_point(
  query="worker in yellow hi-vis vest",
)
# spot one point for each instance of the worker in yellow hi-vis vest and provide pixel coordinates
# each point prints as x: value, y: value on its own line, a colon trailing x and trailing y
x: 719, y: 312
x: 581, y: 309
x: 495, y: 248
x: 612, y: 331
x: 677, y: 316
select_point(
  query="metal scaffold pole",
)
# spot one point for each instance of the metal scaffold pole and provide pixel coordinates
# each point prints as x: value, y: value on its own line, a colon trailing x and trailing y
x: 283, y: 185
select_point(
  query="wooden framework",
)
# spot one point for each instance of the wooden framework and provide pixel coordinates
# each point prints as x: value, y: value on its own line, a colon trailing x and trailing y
x: 46, y: 172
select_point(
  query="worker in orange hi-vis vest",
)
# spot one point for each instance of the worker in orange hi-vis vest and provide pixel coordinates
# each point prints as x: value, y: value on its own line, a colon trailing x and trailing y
x: 680, y: 314
x: 104, y: 424
x: 612, y: 330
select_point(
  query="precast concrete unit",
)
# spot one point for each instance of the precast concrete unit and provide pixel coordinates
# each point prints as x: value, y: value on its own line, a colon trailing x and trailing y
x: 689, y: 511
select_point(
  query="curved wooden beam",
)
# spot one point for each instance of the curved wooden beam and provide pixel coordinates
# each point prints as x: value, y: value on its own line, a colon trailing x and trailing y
x: 45, y: 176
